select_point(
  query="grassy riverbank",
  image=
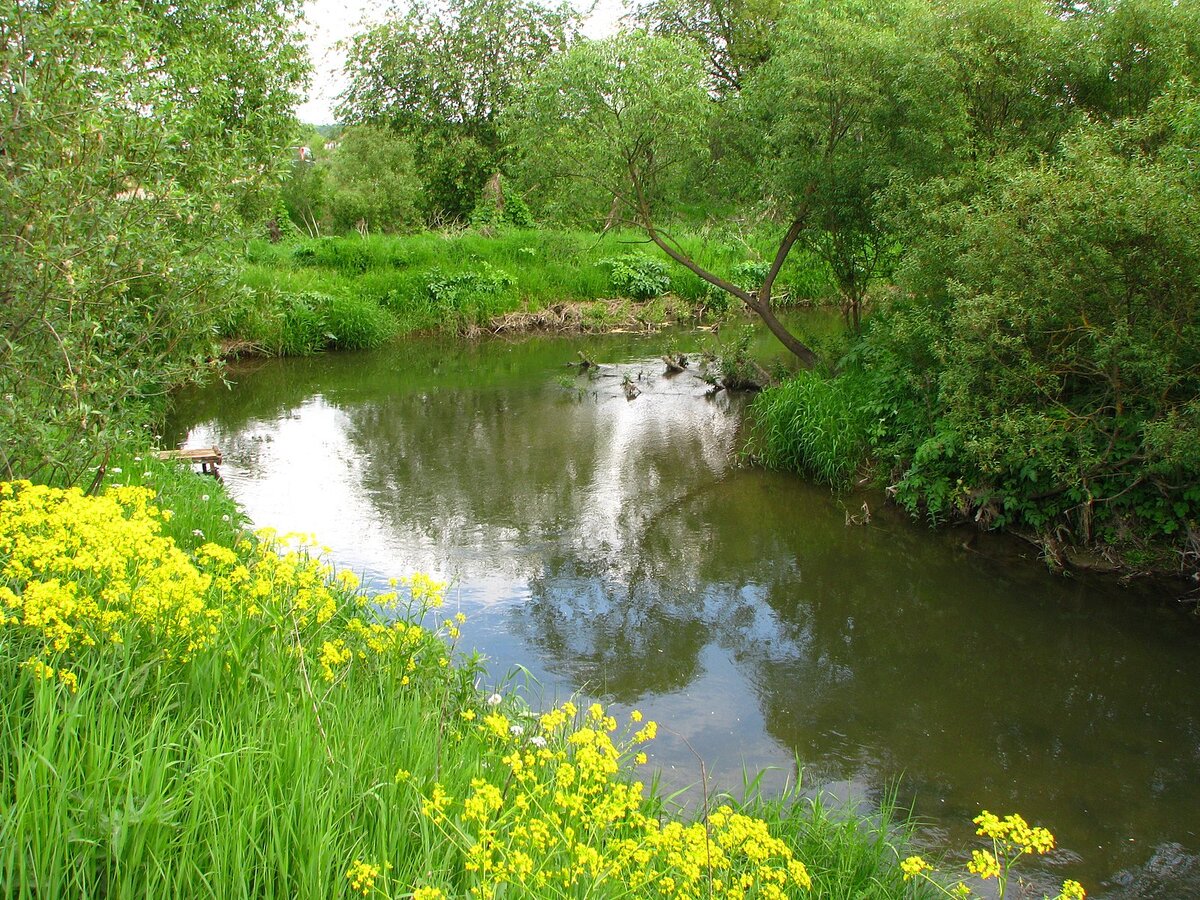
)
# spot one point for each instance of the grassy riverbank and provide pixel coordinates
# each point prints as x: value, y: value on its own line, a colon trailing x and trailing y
x: 195, y: 711
x: 301, y: 296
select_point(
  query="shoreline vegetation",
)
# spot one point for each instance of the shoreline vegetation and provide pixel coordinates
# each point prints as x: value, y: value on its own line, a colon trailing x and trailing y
x: 305, y: 295
x: 194, y: 709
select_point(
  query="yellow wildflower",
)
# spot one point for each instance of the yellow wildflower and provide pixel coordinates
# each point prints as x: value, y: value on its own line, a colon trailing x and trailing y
x: 362, y: 876
x: 983, y: 864
x: 914, y: 866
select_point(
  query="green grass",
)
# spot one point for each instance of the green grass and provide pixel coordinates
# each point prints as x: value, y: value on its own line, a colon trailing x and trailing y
x: 459, y: 282
x: 814, y: 423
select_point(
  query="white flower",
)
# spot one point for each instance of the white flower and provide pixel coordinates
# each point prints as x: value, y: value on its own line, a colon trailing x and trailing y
x: 225, y: 518
x: 517, y: 730
x: 538, y: 741
x: 494, y: 700
x: 204, y: 497
x: 198, y: 533
x: 116, y: 470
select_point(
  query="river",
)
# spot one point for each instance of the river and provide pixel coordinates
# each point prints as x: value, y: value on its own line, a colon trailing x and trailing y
x: 619, y: 550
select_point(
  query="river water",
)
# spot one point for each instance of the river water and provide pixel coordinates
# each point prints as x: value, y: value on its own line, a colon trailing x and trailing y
x: 617, y: 549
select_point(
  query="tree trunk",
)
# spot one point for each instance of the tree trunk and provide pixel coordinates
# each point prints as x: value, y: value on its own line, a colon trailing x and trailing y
x: 760, y: 302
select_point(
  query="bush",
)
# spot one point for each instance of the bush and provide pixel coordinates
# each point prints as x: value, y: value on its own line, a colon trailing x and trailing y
x: 1044, y: 371
x: 637, y: 276
x: 120, y: 204
x: 471, y: 297
x: 489, y: 214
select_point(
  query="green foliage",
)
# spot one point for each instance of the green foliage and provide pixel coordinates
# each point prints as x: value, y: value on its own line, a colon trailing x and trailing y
x: 305, y: 196
x: 302, y: 329
x: 443, y: 74
x: 498, y: 207
x: 604, y: 108
x: 510, y: 269
x: 136, y: 139
x: 1047, y: 375
x: 637, y: 276
x: 471, y: 297
x: 816, y: 424
x: 357, y: 323
x: 373, y: 183
x: 735, y: 36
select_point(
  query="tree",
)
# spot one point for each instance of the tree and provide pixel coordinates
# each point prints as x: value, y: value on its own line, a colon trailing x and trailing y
x: 847, y: 97
x: 735, y: 36
x: 134, y: 139
x: 372, y: 181
x: 443, y: 72
x: 1128, y: 51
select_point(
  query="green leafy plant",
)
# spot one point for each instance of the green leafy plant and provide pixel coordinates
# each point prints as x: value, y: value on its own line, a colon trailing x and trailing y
x: 637, y: 276
x: 473, y: 296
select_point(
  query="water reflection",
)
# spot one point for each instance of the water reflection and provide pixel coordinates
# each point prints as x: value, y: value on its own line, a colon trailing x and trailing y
x: 616, y: 547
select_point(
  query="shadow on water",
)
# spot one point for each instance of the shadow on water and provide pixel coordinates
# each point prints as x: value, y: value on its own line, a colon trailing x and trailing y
x: 617, y: 548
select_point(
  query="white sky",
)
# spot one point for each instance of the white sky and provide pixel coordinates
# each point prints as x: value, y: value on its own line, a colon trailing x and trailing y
x: 330, y: 21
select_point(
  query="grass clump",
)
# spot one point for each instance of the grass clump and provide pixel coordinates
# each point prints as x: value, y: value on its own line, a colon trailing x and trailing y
x: 814, y: 423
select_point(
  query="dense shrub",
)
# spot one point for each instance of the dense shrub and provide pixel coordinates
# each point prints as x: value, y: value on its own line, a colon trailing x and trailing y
x: 1046, y: 368
x: 637, y: 276
x: 472, y: 296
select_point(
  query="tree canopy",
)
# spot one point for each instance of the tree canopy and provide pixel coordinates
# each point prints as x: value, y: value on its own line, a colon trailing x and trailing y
x: 134, y: 137
x: 442, y: 73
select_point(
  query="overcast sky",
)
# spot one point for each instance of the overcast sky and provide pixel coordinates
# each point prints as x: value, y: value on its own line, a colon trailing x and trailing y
x: 329, y: 21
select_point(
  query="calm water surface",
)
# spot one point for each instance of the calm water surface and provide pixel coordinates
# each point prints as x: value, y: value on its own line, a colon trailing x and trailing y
x: 616, y: 548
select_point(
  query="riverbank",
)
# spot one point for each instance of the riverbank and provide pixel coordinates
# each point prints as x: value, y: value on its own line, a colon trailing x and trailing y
x: 193, y: 705
x: 202, y: 711
x: 303, y: 296
x: 871, y: 423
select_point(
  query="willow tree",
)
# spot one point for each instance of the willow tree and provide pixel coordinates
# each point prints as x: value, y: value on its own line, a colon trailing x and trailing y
x: 135, y: 138
x: 441, y: 72
x: 844, y: 100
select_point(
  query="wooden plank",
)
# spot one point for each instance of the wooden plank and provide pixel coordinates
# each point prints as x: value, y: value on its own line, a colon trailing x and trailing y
x: 203, y: 455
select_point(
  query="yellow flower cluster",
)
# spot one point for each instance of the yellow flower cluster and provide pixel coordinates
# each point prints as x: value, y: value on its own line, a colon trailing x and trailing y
x: 983, y: 864
x: 1015, y: 832
x: 362, y: 876
x: 567, y: 823
x: 78, y: 572
x: 1012, y: 838
x: 81, y: 575
x: 914, y: 866
x: 44, y: 672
